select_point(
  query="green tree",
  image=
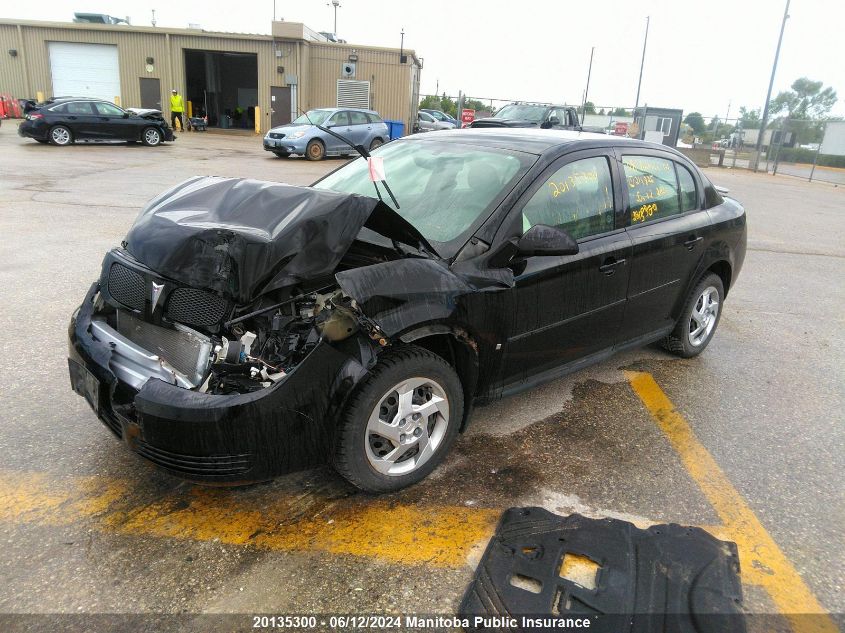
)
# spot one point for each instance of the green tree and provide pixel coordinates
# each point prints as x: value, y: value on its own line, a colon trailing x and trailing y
x: 590, y: 107
x: 749, y: 119
x: 474, y: 104
x: 621, y: 112
x: 602, y: 112
x: 808, y: 99
x: 695, y: 121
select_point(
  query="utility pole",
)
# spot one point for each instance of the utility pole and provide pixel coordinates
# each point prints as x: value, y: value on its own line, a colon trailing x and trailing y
x: 642, y: 63
x: 154, y: 18
x: 765, y: 120
x: 587, y: 90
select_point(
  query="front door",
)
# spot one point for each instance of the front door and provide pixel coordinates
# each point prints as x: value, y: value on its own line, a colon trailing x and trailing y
x: 113, y: 124
x: 569, y: 307
x: 280, y: 106
x: 670, y: 232
x: 150, y: 93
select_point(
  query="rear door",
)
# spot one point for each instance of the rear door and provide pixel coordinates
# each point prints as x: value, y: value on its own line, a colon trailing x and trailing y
x: 569, y: 307
x: 80, y: 117
x: 669, y: 230
x: 339, y: 124
x: 360, y: 127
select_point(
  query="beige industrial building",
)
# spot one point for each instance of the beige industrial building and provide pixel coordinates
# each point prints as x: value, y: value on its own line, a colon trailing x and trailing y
x: 232, y: 78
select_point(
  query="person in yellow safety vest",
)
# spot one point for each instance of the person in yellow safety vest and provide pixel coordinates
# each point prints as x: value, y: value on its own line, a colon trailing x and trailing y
x: 177, y: 107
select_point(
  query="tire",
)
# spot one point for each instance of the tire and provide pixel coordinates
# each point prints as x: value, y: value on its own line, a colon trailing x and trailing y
x: 60, y: 135
x: 377, y: 142
x: 281, y: 154
x: 315, y: 150
x: 361, y: 451
x: 699, y: 319
x: 43, y: 141
x: 151, y: 136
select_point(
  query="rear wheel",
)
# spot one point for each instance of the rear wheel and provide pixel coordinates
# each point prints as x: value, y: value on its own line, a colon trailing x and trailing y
x: 401, y: 421
x: 315, y: 150
x: 60, y: 135
x: 377, y: 142
x: 698, y: 322
x: 151, y: 137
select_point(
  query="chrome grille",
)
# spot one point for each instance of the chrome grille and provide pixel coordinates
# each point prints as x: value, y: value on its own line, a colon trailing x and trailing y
x: 126, y: 286
x: 195, y: 307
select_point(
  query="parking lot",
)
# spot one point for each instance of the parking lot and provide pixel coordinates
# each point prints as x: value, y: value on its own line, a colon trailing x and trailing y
x: 746, y: 440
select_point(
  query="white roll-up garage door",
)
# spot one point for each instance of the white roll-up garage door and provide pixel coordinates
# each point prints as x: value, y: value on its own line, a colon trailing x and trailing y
x: 84, y: 70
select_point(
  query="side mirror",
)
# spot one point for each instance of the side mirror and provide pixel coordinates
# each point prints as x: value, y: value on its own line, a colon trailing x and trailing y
x: 554, y: 121
x: 542, y: 239
x: 125, y: 115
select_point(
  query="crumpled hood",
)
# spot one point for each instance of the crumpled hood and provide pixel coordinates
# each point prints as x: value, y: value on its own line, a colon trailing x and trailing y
x: 244, y: 237
x: 494, y: 122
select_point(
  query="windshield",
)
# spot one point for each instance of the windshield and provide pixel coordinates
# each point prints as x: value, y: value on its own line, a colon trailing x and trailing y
x: 317, y: 117
x: 521, y: 112
x: 444, y: 189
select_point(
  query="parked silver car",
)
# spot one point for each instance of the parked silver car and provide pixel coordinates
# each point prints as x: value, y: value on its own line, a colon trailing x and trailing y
x: 427, y: 123
x: 303, y: 137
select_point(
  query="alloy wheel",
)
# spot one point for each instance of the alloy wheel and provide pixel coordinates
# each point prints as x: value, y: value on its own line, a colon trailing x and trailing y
x: 152, y: 137
x: 407, y: 426
x: 703, y: 316
x: 60, y: 135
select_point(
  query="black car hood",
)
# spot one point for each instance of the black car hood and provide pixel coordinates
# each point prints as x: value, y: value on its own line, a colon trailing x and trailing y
x: 243, y: 238
x: 494, y: 122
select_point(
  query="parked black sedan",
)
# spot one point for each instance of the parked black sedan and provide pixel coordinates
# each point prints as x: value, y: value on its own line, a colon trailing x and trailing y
x: 246, y: 329
x: 65, y: 120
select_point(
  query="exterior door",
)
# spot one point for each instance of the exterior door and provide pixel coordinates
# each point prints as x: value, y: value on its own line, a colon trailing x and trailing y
x: 82, y: 120
x: 150, y: 93
x: 280, y: 107
x: 669, y: 231
x: 338, y: 123
x: 571, y: 306
x: 112, y: 124
x: 360, y: 128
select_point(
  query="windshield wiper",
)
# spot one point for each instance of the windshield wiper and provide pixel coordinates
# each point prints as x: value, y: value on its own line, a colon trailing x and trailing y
x: 358, y: 148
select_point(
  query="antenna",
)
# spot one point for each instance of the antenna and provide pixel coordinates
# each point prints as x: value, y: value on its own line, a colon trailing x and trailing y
x: 154, y: 18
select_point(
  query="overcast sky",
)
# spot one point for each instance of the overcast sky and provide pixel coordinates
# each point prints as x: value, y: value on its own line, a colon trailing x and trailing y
x: 700, y: 56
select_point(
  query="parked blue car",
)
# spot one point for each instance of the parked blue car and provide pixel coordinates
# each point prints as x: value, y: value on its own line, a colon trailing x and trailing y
x: 302, y: 137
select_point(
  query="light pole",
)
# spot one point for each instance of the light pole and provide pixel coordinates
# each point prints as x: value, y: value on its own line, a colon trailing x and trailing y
x: 765, y: 119
x: 335, y: 4
x: 642, y: 63
x: 587, y: 90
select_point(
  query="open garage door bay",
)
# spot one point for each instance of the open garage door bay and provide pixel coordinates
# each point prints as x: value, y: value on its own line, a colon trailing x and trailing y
x: 84, y: 70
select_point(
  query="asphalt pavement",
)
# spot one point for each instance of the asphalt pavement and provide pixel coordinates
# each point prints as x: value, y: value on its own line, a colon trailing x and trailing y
x: 746, y: 440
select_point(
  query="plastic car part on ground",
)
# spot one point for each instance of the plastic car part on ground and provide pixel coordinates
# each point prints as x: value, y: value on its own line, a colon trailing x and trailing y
x: 666, y: 578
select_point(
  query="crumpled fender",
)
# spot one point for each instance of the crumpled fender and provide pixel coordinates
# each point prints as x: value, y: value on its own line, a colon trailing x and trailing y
x: 399, y: 295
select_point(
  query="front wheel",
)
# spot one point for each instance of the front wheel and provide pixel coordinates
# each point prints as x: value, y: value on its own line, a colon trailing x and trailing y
x: 60, y: 135
x: 698, y: 322
x: 315, y: 150
x: 401, y: 422
x: 151, y: 137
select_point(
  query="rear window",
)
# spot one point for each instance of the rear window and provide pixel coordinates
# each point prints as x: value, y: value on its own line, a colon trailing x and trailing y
x: 652, y: 188
x: 357, y: 118
x: 686, y: 183
x: 374, y: 118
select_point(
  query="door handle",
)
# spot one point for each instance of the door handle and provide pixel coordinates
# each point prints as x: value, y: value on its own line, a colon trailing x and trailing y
x: 692, y: 241
x: 609, y: 265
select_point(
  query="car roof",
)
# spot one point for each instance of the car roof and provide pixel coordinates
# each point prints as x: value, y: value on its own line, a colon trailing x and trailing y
x: 533, y: 141
x: 334, y: 109
x: 60, y: 99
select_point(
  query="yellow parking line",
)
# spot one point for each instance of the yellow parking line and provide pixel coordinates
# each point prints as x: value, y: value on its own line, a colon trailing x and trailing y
x: 440, y: 536
x: 762, y: 561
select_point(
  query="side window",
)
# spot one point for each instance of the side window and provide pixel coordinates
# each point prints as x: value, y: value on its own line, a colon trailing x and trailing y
x: 560, y: 115
x: 373, y: 118
x: 686, y: 184
x: 107, y: 109
x: 652, y: 188
x: 61, y: 108
x: 338, y: 119
x: 357, y: 118
x: 578, y: 198
x: 79, y: 107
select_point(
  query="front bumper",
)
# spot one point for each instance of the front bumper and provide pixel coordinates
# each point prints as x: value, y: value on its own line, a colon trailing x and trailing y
x: 291, y: 146
x: 223, y: 439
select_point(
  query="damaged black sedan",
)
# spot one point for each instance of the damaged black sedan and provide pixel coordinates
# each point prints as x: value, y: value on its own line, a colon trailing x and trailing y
x: 247, y: 329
